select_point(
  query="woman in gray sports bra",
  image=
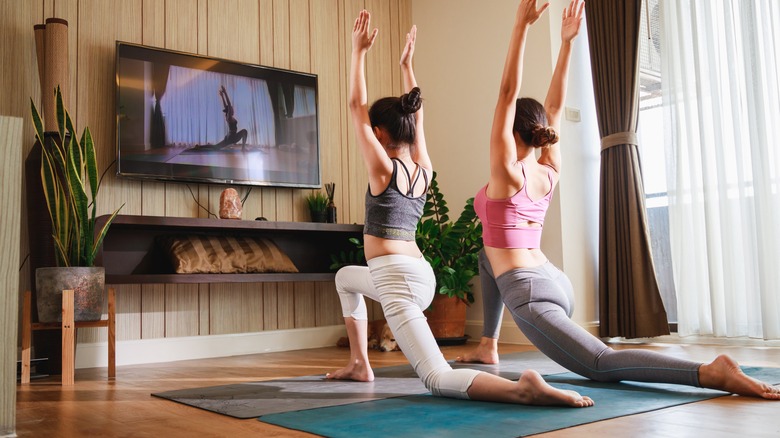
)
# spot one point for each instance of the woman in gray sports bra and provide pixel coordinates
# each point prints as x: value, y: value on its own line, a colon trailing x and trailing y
x: 391, y: 139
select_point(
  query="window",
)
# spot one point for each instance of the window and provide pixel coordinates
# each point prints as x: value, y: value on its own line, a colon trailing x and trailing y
x: 651, y: 152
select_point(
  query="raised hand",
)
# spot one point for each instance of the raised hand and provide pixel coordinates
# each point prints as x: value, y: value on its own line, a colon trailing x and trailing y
x: 362, y: 40
x: 408, y: 53
x: 528, y: 13
x: 572, y: 19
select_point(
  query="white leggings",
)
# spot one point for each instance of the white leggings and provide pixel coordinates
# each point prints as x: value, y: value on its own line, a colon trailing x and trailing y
x: 404, y: 286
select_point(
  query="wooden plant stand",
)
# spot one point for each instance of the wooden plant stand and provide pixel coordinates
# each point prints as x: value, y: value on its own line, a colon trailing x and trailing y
x: 68, y: 327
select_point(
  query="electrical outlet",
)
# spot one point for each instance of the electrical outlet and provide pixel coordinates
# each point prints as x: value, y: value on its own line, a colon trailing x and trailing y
x: 572, y: 114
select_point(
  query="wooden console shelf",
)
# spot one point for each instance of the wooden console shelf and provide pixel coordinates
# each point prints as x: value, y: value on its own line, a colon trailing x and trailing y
x: 130, y: 254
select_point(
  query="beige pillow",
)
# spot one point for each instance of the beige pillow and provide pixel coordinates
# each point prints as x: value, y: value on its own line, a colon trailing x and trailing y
x: 203, y: 254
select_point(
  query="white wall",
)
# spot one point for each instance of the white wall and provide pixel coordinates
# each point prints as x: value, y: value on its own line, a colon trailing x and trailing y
x: 460, y: 52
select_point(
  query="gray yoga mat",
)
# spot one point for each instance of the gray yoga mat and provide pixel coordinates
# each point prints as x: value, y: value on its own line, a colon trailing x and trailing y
x: 254, y: 399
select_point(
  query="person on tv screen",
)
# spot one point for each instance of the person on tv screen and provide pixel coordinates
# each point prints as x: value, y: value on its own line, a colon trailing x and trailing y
x: 392, y: 142
x: 513, y: 270
x: 234, y: 135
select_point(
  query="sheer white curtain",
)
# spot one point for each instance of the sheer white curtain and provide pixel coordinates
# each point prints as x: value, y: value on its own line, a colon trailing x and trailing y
x: 193, y: 107
x: 305, y: 102
x: 721, y: 80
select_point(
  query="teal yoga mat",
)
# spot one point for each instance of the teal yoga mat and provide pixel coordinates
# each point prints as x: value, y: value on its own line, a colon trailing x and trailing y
x: 428, y: 416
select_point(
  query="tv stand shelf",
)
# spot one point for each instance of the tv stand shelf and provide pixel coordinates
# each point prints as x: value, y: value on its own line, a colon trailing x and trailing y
x: 130, y: 254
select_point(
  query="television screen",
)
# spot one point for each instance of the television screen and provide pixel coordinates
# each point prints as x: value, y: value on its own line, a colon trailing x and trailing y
x: 191, y: 118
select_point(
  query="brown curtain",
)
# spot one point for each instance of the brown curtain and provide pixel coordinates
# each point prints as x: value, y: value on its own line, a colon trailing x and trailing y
x: 629, y: 301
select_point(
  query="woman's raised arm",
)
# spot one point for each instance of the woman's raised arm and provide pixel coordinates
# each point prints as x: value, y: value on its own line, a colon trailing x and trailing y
x: 503, y: 152
x: 556, y: 94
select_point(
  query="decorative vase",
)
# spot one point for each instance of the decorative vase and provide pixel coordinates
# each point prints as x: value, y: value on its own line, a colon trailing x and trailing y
x: 331, y: 213
x: 88, y: 285
x: 447, y: 319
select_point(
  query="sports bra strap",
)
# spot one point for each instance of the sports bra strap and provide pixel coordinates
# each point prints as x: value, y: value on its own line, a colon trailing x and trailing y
x: 412, y: 184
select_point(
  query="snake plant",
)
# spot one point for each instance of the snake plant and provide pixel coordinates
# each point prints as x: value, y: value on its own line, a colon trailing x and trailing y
x: 70, y: 185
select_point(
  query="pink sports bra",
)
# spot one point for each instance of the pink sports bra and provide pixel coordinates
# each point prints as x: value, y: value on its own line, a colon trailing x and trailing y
x: 503, y: 220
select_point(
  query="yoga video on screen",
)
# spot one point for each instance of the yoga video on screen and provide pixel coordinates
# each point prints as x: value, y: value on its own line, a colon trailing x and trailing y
x: 184, y: 117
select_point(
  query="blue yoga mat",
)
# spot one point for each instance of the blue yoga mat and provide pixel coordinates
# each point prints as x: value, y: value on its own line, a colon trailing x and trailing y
x: 425, y: 415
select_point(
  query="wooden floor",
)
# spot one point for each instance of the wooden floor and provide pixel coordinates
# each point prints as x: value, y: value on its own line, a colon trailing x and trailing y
x: 124, y: 407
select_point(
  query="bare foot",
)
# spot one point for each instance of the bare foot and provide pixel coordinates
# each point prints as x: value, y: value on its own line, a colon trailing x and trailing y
x: 724, y: 374
x: 535, y: 391
x: 355, y: 370
x: 486, y: 352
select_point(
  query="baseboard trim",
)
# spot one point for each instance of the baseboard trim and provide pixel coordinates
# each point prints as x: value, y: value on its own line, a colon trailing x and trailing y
x: 148, y: 351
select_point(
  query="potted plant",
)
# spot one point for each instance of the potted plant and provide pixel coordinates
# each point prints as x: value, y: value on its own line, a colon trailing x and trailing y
x: 69, y: 178
x: 452, y: 249
x: 318, y: 204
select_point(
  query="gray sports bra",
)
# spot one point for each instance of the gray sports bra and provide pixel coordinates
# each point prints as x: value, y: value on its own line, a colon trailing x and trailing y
x: 392, y: 214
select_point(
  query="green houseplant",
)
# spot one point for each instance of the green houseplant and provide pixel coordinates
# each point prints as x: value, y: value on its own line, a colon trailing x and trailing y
x: 69, y: 179
x: 452, y: 249
x: 318, y: 204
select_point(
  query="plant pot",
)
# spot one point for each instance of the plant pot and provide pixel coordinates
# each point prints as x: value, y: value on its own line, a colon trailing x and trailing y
x: 319, y: 216
x: 88, y: 285
x: 447, y: 318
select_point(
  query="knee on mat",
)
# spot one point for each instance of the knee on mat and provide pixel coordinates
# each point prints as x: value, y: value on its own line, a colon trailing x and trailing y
x: 450, y: 383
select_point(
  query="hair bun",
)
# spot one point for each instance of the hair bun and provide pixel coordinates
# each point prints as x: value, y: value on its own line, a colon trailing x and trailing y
x: 543, y: 136
x: 411, y: 101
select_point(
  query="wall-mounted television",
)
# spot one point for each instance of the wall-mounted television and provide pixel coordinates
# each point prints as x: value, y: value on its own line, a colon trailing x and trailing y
x: 191, y: 118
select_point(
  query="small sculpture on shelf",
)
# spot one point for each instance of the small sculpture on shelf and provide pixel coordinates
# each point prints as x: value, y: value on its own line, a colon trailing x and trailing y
x: 330, y: 189
x: 230, y: 204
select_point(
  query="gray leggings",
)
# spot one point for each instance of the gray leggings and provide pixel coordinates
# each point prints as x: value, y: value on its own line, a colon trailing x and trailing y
x: 541, y: 302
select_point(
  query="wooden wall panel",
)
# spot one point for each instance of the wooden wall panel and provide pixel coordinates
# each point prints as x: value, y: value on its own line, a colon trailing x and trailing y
x: 234, y: 308
x: 181, y: 303
x: 182, y: 317
x: 325, y: 62
x: 281, y: 59
x: 204, y: 290
x: 353, y: 166
x: 266, y: 48
x: 285, y: 299
x: 327, y: 304
x: 270, y: 306
x: 128, y: 313
x: 304, y: 35
x: 153, y: 311
x: 300, y: 60
x: 225, y: 29
x: 152, y: 299
x: 325, y: 55
x: 95, y: 103
x: 268, y: 195
x: 285, y: 306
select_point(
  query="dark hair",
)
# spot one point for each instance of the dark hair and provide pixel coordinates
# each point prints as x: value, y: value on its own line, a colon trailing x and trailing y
x: 531, y: 123
x: 396, y: 115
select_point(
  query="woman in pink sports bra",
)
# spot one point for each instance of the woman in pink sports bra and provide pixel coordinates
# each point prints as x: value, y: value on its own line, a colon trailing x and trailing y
x: 514, y: 271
